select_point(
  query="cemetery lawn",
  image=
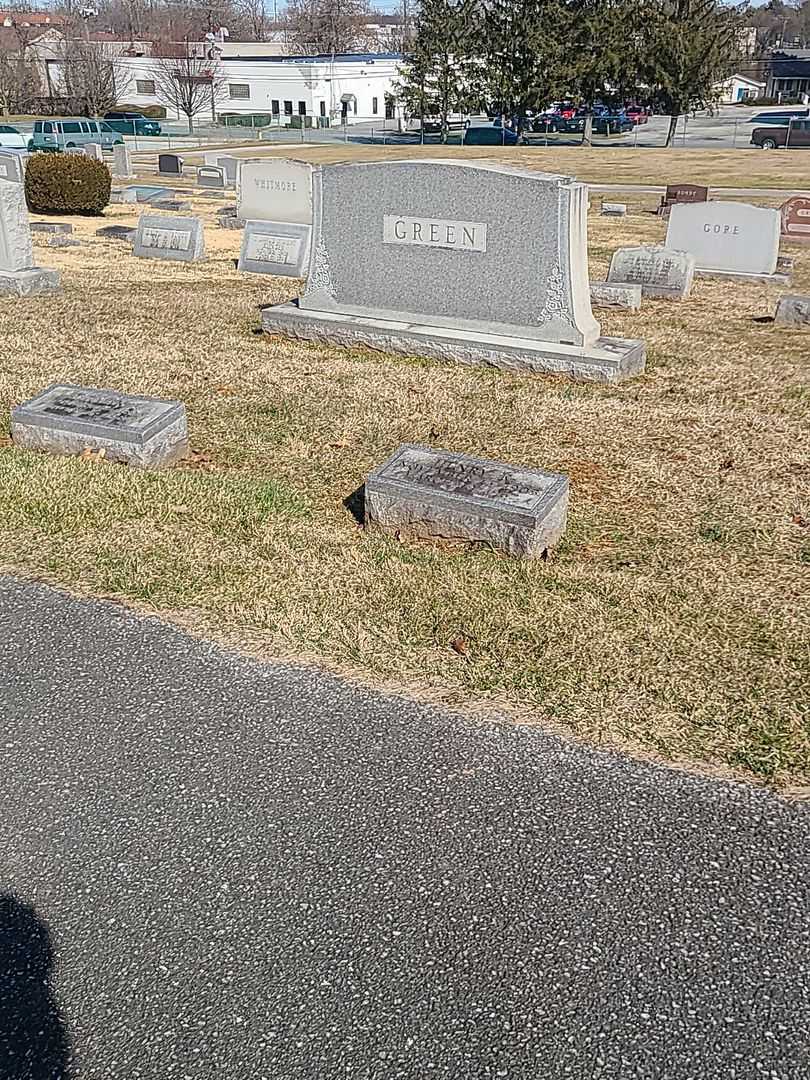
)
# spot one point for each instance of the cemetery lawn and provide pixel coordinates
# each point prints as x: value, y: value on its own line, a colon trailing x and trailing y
x: 673, y: 620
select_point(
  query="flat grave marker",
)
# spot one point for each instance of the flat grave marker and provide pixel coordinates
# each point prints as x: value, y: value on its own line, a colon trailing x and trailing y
x: 117, y: 232
x: 619, y: 296
x: 423, y: 492
x: 66, y: 419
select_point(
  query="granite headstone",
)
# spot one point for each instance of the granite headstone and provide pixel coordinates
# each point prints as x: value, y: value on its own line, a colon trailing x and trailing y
x: 275, y: 189
x: 658, y: 270
x: 65, y: 419
x: 230, y: 168
x: 178, y: 238
x: 121, y: 162
x: 170, y: 165
x: 273, y: 247
x: 795, y: 216
x: 210, y: 176
x: 682, y: 193
x: 12, y: 165
x: 423, y: 492
x: 94, y: 150
x: 728, y: 239
x: 478, y: 263
x: 622, y: 297
x: 18, y: 274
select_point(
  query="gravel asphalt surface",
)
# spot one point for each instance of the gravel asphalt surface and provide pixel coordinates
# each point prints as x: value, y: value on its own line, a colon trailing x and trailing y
x: 217, y: 868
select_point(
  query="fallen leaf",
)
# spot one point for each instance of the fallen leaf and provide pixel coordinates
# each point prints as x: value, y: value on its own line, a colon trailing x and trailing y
x: 460, y: 646
x: 802, y: 522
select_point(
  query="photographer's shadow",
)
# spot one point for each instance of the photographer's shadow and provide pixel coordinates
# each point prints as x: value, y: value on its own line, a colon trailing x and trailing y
x: 33, y: 1038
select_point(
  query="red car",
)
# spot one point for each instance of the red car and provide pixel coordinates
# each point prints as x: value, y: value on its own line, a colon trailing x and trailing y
x: 636, y: 114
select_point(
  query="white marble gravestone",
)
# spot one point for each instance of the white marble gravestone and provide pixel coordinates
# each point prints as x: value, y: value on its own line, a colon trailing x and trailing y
x: 275, y: 189
x: 477, y: 263
x: 727, y: 239
x: 18, y: 274
x: 178, y: 238
x: 93, y: 150
x: 121, y: 162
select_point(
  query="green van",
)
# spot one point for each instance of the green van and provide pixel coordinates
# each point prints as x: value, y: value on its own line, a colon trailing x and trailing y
x: 74, y: 131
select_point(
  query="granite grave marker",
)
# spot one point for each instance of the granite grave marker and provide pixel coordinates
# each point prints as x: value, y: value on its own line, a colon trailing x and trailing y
x: 230, y: 168
x: 477, y: 263
x: 178, y: 238
x: 682, y: 193
x: 274, y: 247
x: 121, y: 162
x: 210, y: 176
x: 12, y: 165
x: 18, y: 274
x: 658, y: 270
x: 728, y: 239
x: 623, y: 297
x: 93, y: 150
x: 65, y: 419
x: 795, y: 218
x: 170, y: 165
x: 423, y: 492
x: 275, y: 189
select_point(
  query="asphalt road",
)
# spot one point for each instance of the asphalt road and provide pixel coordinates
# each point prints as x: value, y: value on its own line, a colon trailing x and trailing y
x: 252, y: 871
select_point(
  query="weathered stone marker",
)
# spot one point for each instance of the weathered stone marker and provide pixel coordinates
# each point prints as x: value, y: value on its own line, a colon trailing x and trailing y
x: 682, y: 193
x: 116, y: 232
x: 170, y: 165
x: 227, y: 219
x: 177, y: 206
x: 658, y: 270
x: 210, y: 176
x: 275, y: 189
x: 795, y: 216
x: 423, y: 492
x: 793, y: 311
x: 622, y: 297
x: 65, y: 419
x: 159, y: 237
x: 18, y: 274
x: 51, y: 227
x: 614, y: 209
x: 272, y: 247
x: 94, y: 150
x: 230, y: 168
x: 731, y: 240
x: 477, y: 263
x: 12, y: 165
x: 121, y: 163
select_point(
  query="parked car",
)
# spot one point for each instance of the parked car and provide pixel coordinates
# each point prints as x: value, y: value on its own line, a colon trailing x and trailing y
x: 637, y: 115
x: 612, y: 124
x: 489, y: 135
x: 780, y: 116
x: 57, y: 135
x: 789, y: 136
x: 132, y: 123
x: 11, y: 139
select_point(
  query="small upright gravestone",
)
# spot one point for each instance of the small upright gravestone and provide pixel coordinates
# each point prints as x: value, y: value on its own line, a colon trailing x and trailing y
x: 272, y: 247
x: 12, y: 165
x: 93, y: 150
x: 728, y: 239
x: 793, y: 311
x: 658, y: 270
x: 423, y: 492
x: 230, y: 168
x: 64, y: 419
x: 795, y: 215
x: 18, y: 275
x: 682, y: 193
x: 121, y: 163
x: 175, y: 238
x: 478, y: 263
x: 210, y: 176
x: 170, y: 165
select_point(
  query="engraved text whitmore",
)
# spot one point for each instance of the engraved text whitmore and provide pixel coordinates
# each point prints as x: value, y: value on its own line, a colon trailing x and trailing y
x: 435, y: 232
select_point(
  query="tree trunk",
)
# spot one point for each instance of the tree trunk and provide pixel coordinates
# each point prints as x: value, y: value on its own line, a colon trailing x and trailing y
x: 673, y: 123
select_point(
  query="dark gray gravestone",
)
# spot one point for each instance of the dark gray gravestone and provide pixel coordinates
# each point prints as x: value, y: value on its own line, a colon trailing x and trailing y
x: 116, y: 232
x: 424, y: 492
x: 179, y: 206
x: 65, y: 419
x: 273, y: 247
x: 170, y: 165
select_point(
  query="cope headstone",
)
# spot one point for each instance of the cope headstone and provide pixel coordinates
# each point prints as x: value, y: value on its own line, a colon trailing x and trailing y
x: 795, y: 218
x: 170, y: 165
x: 12, y: 165
x: 682, y: 193
x: 93, y: 150
x: 178, y: 238
x: 66, y: 419
x: 728, y: 239
x: 275, y: 189
x: 658, y: 270
x: 617, y: 296
x: 793, y: 311
x: 478, y: 263
x: 18, y: 274
x: 121, y: 162
x: 210, y: 176
x: 423, y: 492
x: 273, y: 247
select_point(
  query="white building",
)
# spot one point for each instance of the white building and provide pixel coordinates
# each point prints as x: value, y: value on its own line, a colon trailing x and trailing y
x: 352, y: 88
x: 740, y: 88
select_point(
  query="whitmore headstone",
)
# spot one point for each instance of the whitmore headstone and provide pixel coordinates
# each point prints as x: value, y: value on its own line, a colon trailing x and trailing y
x: 178, y: 238
x: 795, y: 215
x: 728, y: 239
x: 121, y: 162
x: 619, y: 297
x: 12, y: 165
x: 93, y: 150
x: 65, y: 419
x: 275, y: 189
x: 477, y: 263
x: 423, y: 492
x: 18, y: 274
x: 793, y: 311
x: 170, y: 165
x: 273, y: 247
x: 658, y: 270
x: 210, y: 176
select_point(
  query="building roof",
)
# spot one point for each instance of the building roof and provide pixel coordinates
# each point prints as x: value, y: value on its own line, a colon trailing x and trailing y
x: 32, y: 18
x: 783, y: 66
x: 324, y: 58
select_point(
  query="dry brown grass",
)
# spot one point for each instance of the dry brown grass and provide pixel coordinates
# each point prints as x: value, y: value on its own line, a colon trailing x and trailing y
x: 673, y: 618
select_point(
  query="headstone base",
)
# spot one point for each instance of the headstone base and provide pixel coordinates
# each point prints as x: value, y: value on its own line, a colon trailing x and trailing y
x: 606, y: 294
x: 32, y: 282
x: 735, y: 275
x: 607, y: 360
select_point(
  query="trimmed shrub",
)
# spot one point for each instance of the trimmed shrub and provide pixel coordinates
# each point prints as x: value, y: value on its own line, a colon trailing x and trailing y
x: 66, y: 184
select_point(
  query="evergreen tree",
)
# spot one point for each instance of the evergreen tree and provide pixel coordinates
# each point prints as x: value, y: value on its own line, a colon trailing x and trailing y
x: 524, y: 45
x: 690, y: 47
x: 436, y: 75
